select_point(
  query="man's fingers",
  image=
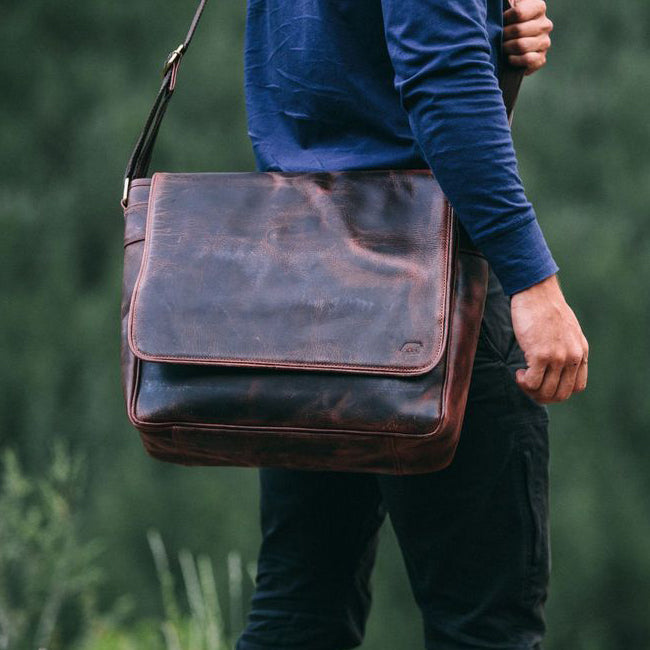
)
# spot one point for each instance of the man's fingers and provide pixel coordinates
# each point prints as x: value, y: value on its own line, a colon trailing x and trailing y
x: 529, y: 44
x: 523, y: 11
x: 549, y: 386
x: 542, y: 25
x: 567, y: 381
x: 526, y: 34
x: 554, y: 381
x: 532, y: 61
x: 581, y: 377
x: 531, y: 378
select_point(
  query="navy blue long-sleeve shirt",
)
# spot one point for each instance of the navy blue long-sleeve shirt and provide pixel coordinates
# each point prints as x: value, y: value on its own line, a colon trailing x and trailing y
x: 396, y: 84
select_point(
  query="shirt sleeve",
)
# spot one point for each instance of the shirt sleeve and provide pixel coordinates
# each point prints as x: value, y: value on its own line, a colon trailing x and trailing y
x: 440, y: 52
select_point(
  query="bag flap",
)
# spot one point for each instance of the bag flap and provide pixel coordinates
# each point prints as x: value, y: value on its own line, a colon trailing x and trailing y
x: 344, y: 271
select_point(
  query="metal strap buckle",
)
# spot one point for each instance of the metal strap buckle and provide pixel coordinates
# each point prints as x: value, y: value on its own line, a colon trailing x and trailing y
x: 125, y: 192
x: 172, y: 58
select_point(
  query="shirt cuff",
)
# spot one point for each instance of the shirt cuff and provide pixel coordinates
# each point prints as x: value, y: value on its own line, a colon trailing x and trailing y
x: 520, y: 257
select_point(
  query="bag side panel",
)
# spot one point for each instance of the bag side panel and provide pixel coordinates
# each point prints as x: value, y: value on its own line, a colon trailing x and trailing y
x: 418, y: 456
x: 135, y: 216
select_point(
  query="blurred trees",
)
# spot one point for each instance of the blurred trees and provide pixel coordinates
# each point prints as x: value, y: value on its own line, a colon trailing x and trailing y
x: 78, y: 79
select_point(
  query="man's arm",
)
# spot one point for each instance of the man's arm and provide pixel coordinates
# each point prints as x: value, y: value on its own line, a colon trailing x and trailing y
x: 545, y: 326
x: 440, y: 52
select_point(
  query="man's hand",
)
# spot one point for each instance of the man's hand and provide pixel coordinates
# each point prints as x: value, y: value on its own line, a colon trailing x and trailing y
x: 555, y: 348
x: 526, y: 34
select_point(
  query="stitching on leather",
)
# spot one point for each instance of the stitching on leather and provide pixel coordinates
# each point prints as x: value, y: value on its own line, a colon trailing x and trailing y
x: 289, y: 431
x: 135, y: 378
x: 316, y: 365
x: 444, y: 307
x: 270, y: 363
x: 446, y: 387
x: 444, y: 393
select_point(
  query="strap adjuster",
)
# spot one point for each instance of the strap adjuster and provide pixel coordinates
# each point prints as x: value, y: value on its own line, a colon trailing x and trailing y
x: 172, y: 58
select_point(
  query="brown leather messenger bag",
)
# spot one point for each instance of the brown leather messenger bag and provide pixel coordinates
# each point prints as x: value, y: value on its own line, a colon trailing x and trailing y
x: 306, y: 320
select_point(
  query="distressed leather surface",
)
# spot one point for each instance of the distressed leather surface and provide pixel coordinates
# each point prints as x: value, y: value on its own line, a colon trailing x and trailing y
x: 347, y: 271
x: 346, y: 418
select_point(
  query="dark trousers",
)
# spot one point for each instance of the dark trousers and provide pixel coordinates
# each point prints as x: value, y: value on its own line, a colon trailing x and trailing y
x: 474, y: 536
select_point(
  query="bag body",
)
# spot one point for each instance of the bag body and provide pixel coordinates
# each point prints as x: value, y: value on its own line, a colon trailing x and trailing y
x: 320, y: 321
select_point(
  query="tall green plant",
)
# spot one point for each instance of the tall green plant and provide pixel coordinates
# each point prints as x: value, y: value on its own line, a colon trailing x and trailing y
x: 203, y: 628
x: 44, y: 565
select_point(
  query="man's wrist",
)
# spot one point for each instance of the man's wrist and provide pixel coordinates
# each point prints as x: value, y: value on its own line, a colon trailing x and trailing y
x: 547, y: 287
x: 520, y: 257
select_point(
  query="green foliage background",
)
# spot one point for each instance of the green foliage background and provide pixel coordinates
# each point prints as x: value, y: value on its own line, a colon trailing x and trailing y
x: 77, y: 81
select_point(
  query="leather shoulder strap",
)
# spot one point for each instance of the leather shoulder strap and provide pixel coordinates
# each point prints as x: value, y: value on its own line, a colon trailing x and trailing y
x: 138, y: 165
x: 140, y: 159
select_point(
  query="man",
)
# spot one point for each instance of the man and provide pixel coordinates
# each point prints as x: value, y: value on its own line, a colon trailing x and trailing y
x: 361, y: 84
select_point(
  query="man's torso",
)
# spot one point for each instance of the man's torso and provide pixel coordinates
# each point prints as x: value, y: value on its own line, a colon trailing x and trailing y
x: 319, y: 86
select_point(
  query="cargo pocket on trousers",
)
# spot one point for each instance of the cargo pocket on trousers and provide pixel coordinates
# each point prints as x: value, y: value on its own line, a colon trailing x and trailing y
x: 534, y: 460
